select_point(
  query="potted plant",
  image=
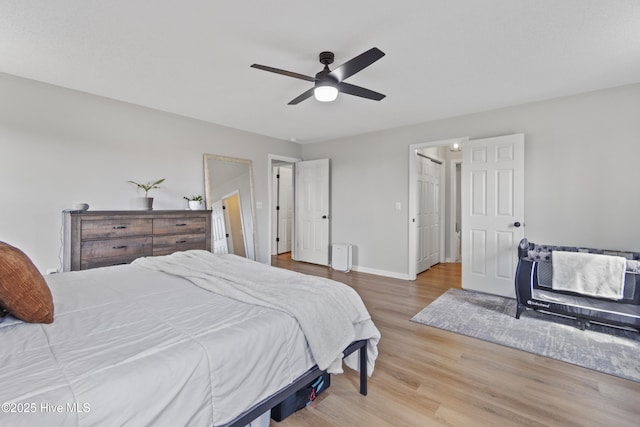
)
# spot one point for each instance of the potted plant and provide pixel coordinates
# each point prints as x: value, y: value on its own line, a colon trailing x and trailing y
x: 146, y: 202
x: 195, y: 202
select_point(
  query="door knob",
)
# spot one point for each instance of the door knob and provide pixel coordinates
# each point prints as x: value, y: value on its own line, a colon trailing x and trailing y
x: 516, y: 224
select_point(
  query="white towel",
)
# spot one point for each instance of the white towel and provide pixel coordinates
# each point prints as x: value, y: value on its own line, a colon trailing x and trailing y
x: 589, y: 274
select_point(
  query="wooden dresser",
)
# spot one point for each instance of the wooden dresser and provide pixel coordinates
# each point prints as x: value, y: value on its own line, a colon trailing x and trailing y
x: 102, y: 238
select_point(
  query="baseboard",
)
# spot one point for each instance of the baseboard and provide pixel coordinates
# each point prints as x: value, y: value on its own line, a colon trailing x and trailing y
x: 377, y: 272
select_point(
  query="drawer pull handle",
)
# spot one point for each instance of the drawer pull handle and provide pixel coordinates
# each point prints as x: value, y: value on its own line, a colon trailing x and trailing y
x: 180, y: 225
x: 181, y: 241
x: 119, y: 247
x: 119, y: 227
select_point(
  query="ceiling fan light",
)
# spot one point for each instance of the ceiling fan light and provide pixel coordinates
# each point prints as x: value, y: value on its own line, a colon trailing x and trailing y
x: 325, y: 93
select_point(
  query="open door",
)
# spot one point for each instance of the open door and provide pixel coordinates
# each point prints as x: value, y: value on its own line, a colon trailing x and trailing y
x: 234, y: 227
x: 312, y: 211
x: 428, y: 222
x: 282, y: 209
x: 219, y: 228
x: 492, y: 212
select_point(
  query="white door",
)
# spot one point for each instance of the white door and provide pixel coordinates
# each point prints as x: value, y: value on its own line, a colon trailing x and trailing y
x: 428, y: 213
x: 312, y: 211
x: 492, y: 212
x: 282, y: 211
x: 433, y: 214
x: 285, y: 209
x: 275, y: 189
x: 236, y: 241
x: 219, y: 229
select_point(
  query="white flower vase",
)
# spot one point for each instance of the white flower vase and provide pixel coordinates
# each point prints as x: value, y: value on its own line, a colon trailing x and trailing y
x: 195, y: 205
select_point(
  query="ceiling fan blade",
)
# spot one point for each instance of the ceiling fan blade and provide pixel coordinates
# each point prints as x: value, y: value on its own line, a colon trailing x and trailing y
x: 302, y: 97
x: 359, y: 91
x: 356, y: 64
x: 283, y: 72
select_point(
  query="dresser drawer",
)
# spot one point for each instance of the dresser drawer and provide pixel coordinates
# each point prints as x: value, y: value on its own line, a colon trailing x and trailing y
x: 116, y: 248
x: 106, y: 262
x: 179, y: 225
x: 165, y: 245
x: 106, y: 228
x: 103, y: 238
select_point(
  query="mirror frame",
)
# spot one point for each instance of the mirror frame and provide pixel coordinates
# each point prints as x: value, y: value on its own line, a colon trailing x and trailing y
x: 208, y: 186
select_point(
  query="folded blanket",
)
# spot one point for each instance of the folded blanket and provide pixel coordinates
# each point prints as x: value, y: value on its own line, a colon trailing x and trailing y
x: 331, y: 314
x: 589, y: 274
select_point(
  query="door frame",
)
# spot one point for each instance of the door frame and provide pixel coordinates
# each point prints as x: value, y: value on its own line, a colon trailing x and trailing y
x: 271, y: 159
x: 453, y: 181
x: 276, y: 208
x: 413, y: 201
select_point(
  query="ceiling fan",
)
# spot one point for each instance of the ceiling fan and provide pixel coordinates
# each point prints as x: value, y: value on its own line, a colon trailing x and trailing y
x: 328, y: 83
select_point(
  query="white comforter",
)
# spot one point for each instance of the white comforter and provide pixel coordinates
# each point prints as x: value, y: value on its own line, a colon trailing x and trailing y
x: 330, y: 314
x: 134, y: 347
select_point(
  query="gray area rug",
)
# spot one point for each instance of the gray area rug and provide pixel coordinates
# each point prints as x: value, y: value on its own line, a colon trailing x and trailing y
x: 492, y: 318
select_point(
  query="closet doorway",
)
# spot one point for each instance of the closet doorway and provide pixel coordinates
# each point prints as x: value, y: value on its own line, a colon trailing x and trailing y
x: 491, y: 218
x: 310, y: 235
x: 282, y: 208
x: 434, y: 198
x: 281, y: 200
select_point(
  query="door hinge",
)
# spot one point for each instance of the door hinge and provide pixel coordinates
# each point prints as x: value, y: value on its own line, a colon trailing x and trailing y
x: 277, y: 208
x: 277, y: 239
x: 224, y: 207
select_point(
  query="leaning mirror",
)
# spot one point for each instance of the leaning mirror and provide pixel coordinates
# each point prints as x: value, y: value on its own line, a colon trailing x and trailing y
x: 229, y: 195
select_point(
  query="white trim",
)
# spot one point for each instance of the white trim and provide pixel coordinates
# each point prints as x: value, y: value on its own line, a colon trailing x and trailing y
x: 270, y: 159
x: 273, y: 246
x: 453, y: 206
x: 442, y: 184
x: 377, y: 272
x: 412, y: 201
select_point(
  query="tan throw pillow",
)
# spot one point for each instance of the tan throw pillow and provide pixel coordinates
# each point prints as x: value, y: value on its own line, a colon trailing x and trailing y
x: 23, y: 291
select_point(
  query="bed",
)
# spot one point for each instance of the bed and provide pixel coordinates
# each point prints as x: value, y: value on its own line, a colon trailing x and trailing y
x: 189, y: 339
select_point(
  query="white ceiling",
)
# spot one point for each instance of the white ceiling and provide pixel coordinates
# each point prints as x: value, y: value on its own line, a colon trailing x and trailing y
x: 443, y: 57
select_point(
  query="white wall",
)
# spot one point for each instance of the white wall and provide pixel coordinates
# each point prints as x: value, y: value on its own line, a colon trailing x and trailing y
x: 581, y: 168
x: 59, y: 147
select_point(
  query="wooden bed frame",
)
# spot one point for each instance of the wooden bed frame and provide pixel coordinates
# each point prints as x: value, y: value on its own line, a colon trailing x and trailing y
x: 300, y: 383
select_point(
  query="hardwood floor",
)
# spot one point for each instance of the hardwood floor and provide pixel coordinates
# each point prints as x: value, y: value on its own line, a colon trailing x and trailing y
x: 428, y: 377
